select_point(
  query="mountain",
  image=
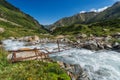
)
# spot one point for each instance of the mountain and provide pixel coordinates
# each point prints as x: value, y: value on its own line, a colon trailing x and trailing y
x: 16, y: 23
x: 112, y: 12
x: 102, y: 28
x: 78, y: 18
x: 102, y: 23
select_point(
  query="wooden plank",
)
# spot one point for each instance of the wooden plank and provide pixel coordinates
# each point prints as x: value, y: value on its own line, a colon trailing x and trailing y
x: 23, y: 50
x: 38, y: 53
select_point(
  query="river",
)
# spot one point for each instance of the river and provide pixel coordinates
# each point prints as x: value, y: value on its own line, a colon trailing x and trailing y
x: 100, y: 65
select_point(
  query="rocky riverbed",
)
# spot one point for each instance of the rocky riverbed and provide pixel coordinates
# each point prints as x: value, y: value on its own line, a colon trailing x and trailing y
x: 75, y: 71
x: 96, y: 56
x: 100, y: 65
x: 91, y: 43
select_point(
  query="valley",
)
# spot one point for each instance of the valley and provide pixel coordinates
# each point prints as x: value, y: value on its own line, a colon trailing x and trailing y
x: 86, y: 46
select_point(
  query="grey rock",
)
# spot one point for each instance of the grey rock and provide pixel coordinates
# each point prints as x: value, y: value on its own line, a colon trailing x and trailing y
x: 12, y: 38
x: 91, y: 46
x: 2, y: 30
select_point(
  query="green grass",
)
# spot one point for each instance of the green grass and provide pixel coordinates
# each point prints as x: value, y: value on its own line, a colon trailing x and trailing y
x: 115, y: 40
x: 35, y: 70
x: 16, y: 31
x: 29, y: 26
x: 97, y: 29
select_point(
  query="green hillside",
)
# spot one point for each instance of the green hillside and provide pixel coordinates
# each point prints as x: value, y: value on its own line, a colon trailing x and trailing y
x: 98, y: 29
x: 97, y: 23
x: 75, y: 19
x: 112, y: 12
x: 16, y: 23
x: 102, y: 23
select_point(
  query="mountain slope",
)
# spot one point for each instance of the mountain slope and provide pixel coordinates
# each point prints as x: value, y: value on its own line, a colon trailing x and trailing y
x: 78, y: 18
x: 103, y: 28
x: 112, y: 12
x: 99, y: 24
x: 16, y: 23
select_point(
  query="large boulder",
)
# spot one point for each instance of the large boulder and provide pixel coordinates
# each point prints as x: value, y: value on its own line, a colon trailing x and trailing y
x: 108, y: 38
x: 77, y: 73
x: 35, y: 38
x: 20, y: 39
x: 29, y: 38
x: 2, y: 30
x: 116, y: 47
x: 116, y: 35
x: 107, y: 46
x: 12, y: 38
x: 91, y: 45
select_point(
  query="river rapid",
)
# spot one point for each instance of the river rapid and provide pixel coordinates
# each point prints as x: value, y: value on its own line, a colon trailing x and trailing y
x: 100, y: 65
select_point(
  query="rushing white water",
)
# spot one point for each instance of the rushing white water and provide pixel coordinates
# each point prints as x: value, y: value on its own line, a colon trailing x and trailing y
x: 15, y: 45
x: 101, y: 65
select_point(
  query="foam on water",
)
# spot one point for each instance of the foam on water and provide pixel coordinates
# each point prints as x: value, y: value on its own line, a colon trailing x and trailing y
x: 8, y: 44
x: 15, y: 45
x: 101, y: 65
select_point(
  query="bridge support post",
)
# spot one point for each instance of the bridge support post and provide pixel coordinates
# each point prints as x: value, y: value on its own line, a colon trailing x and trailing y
x: 58, y: 45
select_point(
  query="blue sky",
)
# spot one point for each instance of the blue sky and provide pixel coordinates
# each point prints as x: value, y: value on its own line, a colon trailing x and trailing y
x: 49, y: 11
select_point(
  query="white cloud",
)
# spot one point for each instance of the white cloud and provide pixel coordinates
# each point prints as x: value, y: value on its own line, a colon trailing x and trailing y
x: 93, y: 10
x: 82, y: 11
x: 99, y: 10
x: 96, y: 10
x: 102, y: 9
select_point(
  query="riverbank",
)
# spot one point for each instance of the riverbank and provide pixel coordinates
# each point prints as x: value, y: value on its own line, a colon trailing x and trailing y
x: 70, y: 69
x: 27, y: 70
x: 77, y: 55
x: 80, y: 41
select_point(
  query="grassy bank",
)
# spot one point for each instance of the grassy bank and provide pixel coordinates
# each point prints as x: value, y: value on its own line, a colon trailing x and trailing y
x: 16, y: 31
x: 30, y: 70
x: 102, y: 28
x: 17, y: 23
